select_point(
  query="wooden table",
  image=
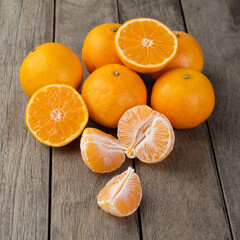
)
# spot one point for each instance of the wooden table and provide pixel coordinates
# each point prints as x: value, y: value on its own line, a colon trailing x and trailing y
x: 49, y: 193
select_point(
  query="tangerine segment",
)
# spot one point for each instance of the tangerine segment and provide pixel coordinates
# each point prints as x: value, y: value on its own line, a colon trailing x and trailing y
x: 122, y: 194
x: 145, y: 44
x: 146, y: 134
x: 101, y: 152
x: 131, y: 123
x: 56, y: 114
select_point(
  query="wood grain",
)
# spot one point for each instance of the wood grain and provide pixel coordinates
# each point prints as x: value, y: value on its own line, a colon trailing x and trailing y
x: 75, y: 214
x: 217, y: 28
x: 24, y: 162
x: 181, y: 195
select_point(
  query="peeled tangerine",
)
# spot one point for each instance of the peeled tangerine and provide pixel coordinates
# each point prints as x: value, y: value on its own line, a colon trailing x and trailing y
x: 101, y: 152
x: 122, y: 194
x: 145, y: 134
x: 142, y: 133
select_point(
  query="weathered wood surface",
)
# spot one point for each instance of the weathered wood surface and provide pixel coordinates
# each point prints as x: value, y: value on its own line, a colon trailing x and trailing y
x: 75, y: 213
x: 24, y: 162
x: 217, y: 28
x: 181, y: 196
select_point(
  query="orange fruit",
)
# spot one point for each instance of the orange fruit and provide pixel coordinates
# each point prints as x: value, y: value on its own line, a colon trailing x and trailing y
x: 98, y: 48
x: 145, y: 134
x: 122, y: 194
x: 56, y: 114
x: 50, y: 63
x: 111, y: 90
x: 185, y: 96
x: 189, y: 55
x: 101, y: 152
x: 145, y: 45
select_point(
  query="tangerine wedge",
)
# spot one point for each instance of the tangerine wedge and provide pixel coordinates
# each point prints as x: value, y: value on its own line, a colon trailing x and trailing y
x: 56, y: 114
x: 145, y: 45
x: 101, y: 152
x: 146, y: 134
x: 122, y: 194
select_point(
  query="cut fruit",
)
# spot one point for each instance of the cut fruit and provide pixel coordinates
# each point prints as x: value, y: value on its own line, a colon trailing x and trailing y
x: 145, y: 45
x: 122, y: 194
x: 146, y: 134
x: 56, y: 114
x: 101, y: 152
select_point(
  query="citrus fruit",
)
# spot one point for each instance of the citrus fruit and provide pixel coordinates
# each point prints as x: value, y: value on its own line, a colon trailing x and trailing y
x: 145, y: 45
x: 111, y: 90
x: 50, y: 63
x: 98, y: 48
x: 189, y: 55
x: 185, y: 96
x: 56, y: 114
x: 122, y: 194
x: 101, y: 152
x: 145, y: 134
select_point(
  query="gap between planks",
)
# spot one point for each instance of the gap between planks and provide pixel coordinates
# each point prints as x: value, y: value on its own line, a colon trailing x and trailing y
x: 211, y: 143
x: 50, y: 148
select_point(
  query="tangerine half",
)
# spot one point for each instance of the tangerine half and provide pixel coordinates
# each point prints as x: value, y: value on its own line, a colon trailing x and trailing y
x: 145, y: 45
x: 56, y: 114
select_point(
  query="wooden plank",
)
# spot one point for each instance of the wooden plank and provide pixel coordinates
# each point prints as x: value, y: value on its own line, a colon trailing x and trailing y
x: 217, y: 28
x: 75, y: 214
x: 24, y: 162
x: 181, y: 195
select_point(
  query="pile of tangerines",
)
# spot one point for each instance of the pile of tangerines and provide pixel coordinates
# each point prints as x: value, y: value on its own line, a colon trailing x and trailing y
x: 115, y: 96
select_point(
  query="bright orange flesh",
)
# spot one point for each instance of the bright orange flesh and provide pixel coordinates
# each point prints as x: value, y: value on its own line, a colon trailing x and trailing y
x: 145, y: 45
x: 56, y: 114
x: 101, y: 152
x: 146, y: 134
x: 122, y: 194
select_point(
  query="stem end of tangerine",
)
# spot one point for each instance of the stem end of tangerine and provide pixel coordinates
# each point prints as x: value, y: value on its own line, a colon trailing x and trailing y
x: 114, y: 29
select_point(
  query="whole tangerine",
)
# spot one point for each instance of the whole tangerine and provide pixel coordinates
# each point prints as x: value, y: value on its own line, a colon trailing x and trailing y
x: 98, y: 48
x: 50, y: 63
x: 189, y: 55
x: 110, y: 91
x: 185, y: 96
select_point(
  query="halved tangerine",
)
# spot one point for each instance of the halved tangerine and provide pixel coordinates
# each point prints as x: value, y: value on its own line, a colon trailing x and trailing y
x: 122, y: 194
x: 146, y: 134
x: 101, y: 152
x: 56, y: 114
x: 145, y: 45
